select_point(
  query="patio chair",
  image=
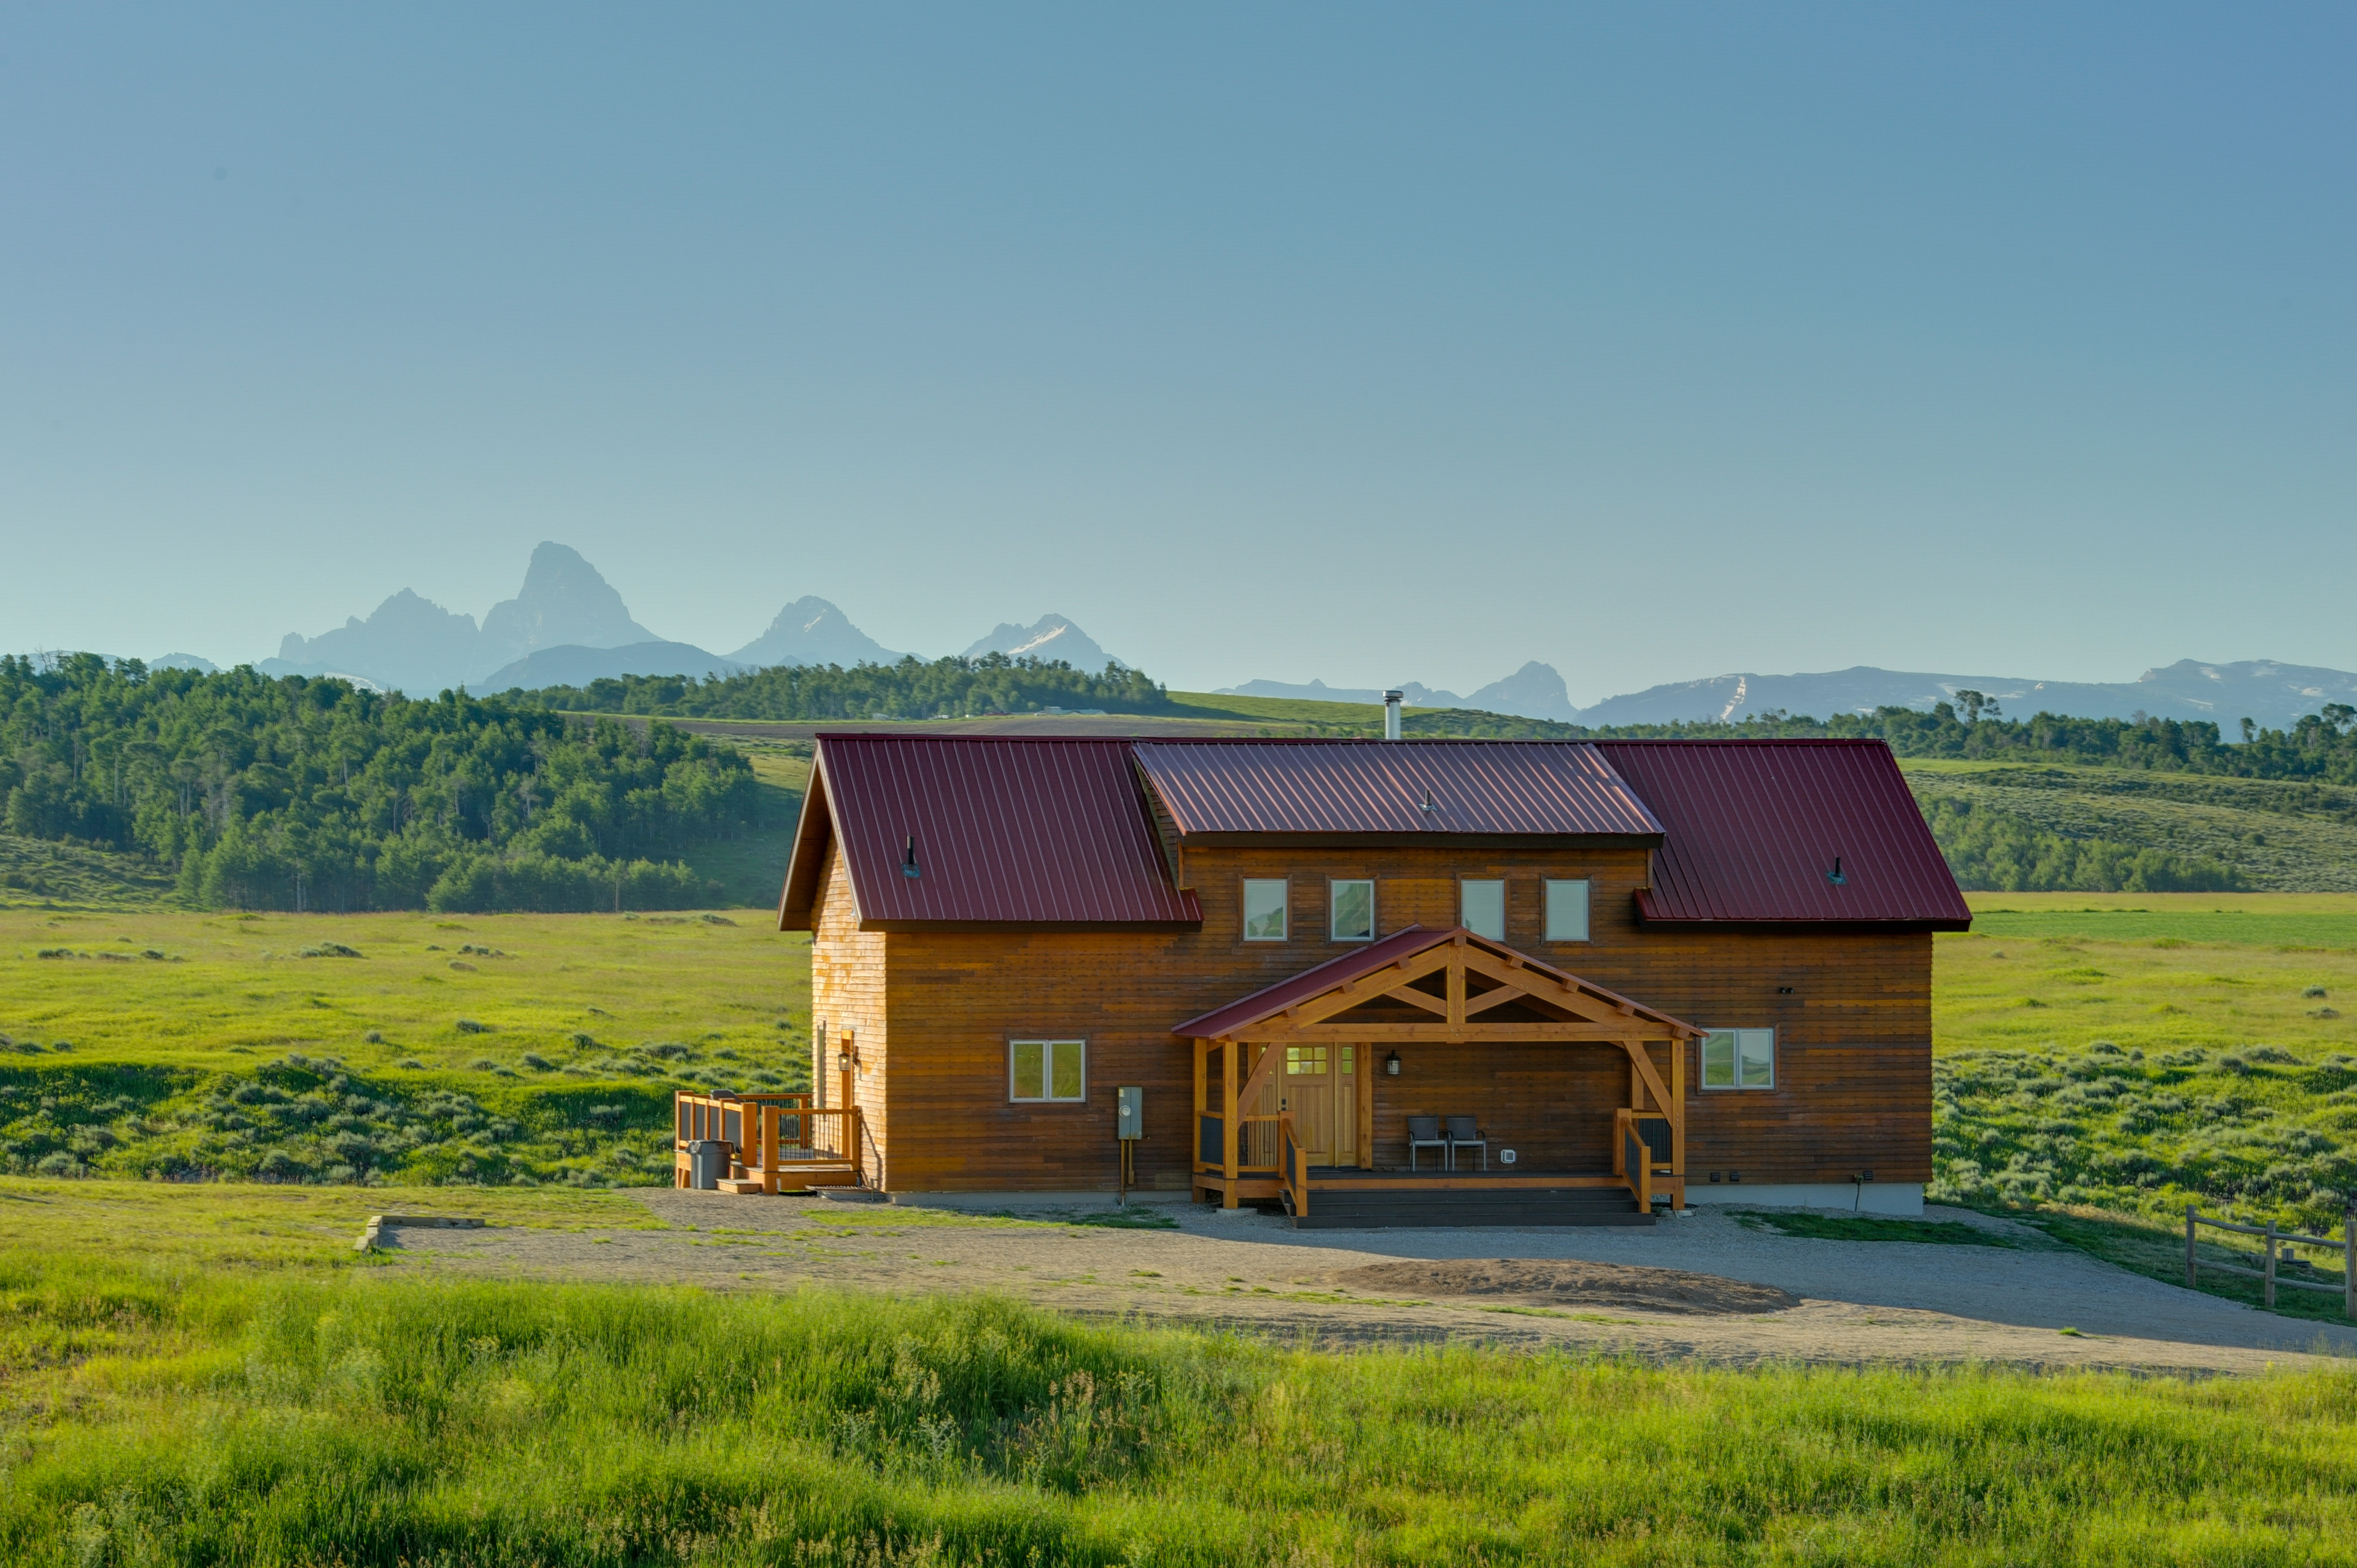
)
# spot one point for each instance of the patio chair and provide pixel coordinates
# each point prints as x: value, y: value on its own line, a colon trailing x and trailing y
x: 1464, y: 1135
x: 1423, y: 1132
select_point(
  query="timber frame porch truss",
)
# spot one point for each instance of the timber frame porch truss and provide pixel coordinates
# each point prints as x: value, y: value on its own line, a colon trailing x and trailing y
x: 1479, y: 975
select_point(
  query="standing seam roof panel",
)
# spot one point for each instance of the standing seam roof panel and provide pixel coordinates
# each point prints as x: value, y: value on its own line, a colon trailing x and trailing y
x: 1379, y: 787
x: 1048, y: 832
x: 1753, y: 828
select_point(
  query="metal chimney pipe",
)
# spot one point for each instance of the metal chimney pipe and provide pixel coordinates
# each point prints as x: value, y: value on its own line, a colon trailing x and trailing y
x: 1391, y: 700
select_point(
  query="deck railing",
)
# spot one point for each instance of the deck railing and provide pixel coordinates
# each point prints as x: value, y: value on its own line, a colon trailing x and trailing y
x: 769, y: 1134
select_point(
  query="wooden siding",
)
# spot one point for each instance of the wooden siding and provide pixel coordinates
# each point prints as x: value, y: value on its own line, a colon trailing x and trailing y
x: 1853, y: 1090
x: 847, y: 993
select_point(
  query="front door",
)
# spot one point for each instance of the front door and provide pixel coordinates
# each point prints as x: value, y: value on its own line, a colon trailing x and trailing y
x: 1321, y: 1089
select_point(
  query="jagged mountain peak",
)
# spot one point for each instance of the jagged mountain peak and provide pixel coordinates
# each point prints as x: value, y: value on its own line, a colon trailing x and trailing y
x: 811, y: 630
x: 564, y: 602
x: 1049, y: 637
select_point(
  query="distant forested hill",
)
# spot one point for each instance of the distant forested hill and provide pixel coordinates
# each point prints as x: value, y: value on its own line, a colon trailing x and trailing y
x: 296, y: 793
x: 952, y: 687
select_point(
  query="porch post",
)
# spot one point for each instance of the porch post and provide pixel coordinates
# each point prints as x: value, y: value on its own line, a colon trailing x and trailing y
x: 1678, y: 1115
x: 1366, y: 1108
x: 1228, y: 1050
x: 1202, y: 1100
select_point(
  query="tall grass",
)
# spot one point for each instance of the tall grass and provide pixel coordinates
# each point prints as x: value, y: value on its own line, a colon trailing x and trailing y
x: 210, y: 1418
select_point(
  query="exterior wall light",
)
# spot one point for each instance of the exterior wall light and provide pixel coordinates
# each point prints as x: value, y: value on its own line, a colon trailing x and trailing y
x: 1390, y: 1064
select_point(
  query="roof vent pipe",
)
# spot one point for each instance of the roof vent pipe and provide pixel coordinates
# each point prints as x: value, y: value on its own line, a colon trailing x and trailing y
x: 1391, y: 700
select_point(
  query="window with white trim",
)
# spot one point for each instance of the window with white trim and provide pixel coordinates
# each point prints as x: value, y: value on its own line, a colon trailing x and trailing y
x: 1481, y: 907
x: 1051, y: 1070
x: 1264, y: 909
x: 1351, y: 911
x: 1738, y: 1059
x: 1567, y: 909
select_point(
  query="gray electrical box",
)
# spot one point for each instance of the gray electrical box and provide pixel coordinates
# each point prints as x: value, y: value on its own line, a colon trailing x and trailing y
x: 1129, y: 1113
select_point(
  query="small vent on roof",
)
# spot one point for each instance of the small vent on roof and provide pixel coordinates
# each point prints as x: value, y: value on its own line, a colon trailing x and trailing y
x: 1427, y: 807
x: 1836, y: 876
x: 908, y: 859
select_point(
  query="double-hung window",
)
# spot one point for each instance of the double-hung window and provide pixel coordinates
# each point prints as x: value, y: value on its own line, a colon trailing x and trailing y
x: 1481, y: 907
x: 1738, y: 1059
x: 1351, y: 911
x: 1054, y: 1071
x: 1263, y: 909
x: 1567, y: 909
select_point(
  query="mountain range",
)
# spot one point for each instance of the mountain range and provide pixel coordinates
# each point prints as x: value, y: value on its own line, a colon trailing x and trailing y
x: 567, y: 627
x: 1535, y: 691
x: 2270, y: 693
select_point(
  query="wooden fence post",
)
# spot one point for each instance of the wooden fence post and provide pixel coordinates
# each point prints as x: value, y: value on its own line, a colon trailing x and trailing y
x: 2188, y: 1247
x: 2271, y: 1266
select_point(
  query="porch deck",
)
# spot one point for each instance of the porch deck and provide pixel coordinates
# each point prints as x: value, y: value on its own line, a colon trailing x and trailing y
x: 1467, y: 1030
x: 1347, y: 1197
x: 777, y: 1143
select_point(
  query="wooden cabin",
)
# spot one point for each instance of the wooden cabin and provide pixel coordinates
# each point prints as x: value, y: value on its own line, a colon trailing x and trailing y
x: 1629, y: 971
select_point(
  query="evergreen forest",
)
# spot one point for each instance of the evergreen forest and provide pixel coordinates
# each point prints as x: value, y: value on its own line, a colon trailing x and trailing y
x: 951, y: 688
x: 260, y: 793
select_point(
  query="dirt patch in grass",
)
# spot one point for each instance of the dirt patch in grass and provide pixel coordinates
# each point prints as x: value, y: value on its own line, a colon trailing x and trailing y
x: 1562, y: 1281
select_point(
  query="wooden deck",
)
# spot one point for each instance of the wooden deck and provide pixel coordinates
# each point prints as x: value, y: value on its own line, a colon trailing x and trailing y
x: 1345, y: 1197
x: 778, y: 1143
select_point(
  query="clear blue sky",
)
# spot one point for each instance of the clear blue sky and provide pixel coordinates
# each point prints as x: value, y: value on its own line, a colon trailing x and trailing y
x: 1362, y: 342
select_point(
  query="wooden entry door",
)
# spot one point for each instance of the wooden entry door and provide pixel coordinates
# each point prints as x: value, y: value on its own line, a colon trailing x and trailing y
x: 1320, y: 1086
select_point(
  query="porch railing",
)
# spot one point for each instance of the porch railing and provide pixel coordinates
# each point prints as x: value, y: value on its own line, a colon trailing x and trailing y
x: 768, y: 1133
x: 1642, y: 1143
x: 1257, y: 1144
x: 1293, y: 1172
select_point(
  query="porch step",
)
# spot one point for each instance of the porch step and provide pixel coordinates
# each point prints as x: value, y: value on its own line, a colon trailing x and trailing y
x: 1509, y: 1205
x: 740, y: 1185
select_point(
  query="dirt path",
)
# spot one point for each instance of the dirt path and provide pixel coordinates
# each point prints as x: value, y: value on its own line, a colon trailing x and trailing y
x: 1853, y: 1302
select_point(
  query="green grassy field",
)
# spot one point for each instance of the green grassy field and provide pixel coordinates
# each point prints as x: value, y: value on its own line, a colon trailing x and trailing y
x: 539, y: 1047
x: 2275, y: 836
x: 257, y: 1393
x: 2132, y: 1053
x: 2096, y: 1055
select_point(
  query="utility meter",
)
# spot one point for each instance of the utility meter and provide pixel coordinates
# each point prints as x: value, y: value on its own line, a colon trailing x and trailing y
x: 1129, y: 1113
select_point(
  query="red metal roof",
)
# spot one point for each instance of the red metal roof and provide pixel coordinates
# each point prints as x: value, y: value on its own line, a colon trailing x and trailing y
x: 1294, y: 786
x: 1050, y: 831
x: 1754, y: 826
x: 1269, y: 1001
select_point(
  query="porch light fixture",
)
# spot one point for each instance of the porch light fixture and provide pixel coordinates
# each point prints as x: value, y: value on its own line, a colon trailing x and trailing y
x: 1390, y: 1064
x: 1837, y: 879
x: 908, y: 861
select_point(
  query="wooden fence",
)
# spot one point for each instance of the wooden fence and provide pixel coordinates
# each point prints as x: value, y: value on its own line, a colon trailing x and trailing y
x: 2275, y: 1239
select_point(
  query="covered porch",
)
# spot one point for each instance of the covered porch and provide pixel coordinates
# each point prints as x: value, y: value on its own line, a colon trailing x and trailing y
x: 1334, y: 1092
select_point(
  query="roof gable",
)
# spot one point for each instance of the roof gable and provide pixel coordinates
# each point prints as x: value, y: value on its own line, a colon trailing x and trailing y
x: 1405, y: 788
x: 1396, y: 950
x: 1005, y: 831
x: 1754, y: 826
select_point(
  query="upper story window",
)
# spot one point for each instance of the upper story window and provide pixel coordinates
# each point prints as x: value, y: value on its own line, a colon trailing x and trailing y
x: 1353, y: 911
x: 1566, y: 910
x: 1481, y: 907
x: 1738, y: 1059
x: 1264, y: 909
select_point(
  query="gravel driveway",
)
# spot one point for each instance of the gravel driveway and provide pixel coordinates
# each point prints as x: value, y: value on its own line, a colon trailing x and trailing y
x: 1858, y: 1300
